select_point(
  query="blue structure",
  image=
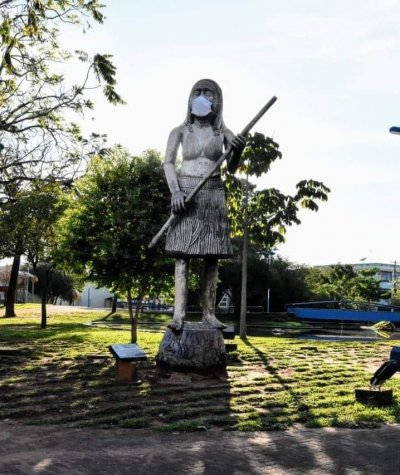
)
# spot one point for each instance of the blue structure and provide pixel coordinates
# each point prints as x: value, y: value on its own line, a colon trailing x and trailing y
x: 395, y: 353
x: 344, y: 310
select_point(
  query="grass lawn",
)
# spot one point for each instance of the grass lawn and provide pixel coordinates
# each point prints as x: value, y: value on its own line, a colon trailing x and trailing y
x: 65, y: 375
x: 257, y: 323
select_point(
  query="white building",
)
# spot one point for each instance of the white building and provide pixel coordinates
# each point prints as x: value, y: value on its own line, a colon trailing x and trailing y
x: 22, y: 294
x: 387, y: 274
x: 93, y: 297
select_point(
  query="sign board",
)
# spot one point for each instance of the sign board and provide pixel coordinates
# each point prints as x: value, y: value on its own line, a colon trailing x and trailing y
x: 128, y: 352
x: 229, y: 332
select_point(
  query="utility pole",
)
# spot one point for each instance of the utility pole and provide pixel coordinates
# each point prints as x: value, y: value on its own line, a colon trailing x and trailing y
x: 269, y: 254
x: 243, y: 299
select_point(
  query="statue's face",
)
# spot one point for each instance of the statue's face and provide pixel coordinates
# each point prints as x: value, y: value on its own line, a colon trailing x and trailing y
x: 205, y: 91
x: 205, y: 97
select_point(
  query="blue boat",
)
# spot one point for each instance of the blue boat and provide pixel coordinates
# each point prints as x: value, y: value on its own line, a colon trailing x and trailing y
x: 344, y: 310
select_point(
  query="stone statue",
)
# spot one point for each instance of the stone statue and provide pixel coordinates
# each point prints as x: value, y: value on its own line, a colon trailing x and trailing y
x: 202, y: 229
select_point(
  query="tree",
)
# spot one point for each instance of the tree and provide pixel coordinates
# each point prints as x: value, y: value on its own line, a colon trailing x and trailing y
x: 331, y: 283
x: 285, y: 279
x: 367, y: 287
x: 60, y: 286
x: 342, y: 282
x: 27, y: 227
x: 37, y: 140
x: 113, y: 213
x: 287, y: 282
x: 41, y: 240
x: 395, y: 293
x: 262, y: 217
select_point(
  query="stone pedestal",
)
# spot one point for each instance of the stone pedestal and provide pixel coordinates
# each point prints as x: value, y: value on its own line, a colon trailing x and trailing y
x: 196, y: 346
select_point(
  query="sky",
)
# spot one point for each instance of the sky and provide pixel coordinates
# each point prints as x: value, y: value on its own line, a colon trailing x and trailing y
x: 334, y: 67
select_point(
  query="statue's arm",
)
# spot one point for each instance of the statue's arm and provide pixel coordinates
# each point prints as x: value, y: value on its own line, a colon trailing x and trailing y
x: 237, y: 142
x: 177, y: 196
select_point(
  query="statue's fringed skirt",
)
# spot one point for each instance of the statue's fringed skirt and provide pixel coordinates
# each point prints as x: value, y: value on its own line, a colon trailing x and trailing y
x: 203, y: 229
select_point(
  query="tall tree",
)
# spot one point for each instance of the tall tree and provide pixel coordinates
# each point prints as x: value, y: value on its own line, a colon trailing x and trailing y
x: 367, y: 287
x: 61, y: 285
x: 37, y: 139
x: 261, y: 217
x: 285, y: 279
x: 343, y: 282
x: 114, y: 212
x: 27, y: 227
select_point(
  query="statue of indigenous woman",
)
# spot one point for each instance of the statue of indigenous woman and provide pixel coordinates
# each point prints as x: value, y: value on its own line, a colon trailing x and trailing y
x: 202, y: 230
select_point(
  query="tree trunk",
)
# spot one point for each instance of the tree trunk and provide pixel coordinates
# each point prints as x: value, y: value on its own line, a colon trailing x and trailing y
x: 243, y: 300
x: 45, y: 286
x: 43, y: 321
x: 134, y: 318
x: 114, y: 304
x: 12, y: 287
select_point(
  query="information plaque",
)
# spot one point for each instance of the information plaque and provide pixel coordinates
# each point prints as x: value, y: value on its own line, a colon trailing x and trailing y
x: 128, y: 352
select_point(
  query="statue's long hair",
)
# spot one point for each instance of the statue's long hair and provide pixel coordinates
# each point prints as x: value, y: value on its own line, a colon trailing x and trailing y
x: 218, y: 122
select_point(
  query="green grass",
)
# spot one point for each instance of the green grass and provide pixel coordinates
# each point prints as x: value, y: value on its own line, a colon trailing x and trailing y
x: 65, y: 375
x: 122, y: 317
x: 264, y: 320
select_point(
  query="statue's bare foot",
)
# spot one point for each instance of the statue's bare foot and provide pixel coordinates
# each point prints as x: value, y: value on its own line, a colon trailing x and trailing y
x: 213, y: 321
x: 176, y: 324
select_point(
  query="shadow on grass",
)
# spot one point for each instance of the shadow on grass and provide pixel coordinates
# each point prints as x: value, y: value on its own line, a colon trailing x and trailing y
x: 122, y: 317
x: 301, y: 407
x: 12, y: 333
x: 81, y: 391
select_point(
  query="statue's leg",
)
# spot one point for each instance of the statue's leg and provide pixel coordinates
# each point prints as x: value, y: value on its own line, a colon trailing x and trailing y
x: 181, y: 293
x: 209, y: 293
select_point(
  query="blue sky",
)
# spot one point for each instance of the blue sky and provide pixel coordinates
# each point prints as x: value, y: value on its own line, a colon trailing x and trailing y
x: 334, y: 67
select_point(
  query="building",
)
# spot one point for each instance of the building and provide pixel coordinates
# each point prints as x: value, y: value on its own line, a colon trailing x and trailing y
x: 387, y: 274
x: 26, y: 282
x: 94, y: 297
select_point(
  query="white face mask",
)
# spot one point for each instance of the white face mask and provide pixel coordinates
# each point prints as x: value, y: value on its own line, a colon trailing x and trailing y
x: 201, y: 106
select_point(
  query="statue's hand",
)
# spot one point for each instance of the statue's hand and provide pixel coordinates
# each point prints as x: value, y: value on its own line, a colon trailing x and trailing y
x: 238, y: 143
x: 178, y: 202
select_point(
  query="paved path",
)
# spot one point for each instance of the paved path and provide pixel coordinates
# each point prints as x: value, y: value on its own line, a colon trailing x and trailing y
x: 57, y: 450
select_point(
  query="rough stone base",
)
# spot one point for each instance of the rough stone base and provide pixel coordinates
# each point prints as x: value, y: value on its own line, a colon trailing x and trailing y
x: 196, y: 346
